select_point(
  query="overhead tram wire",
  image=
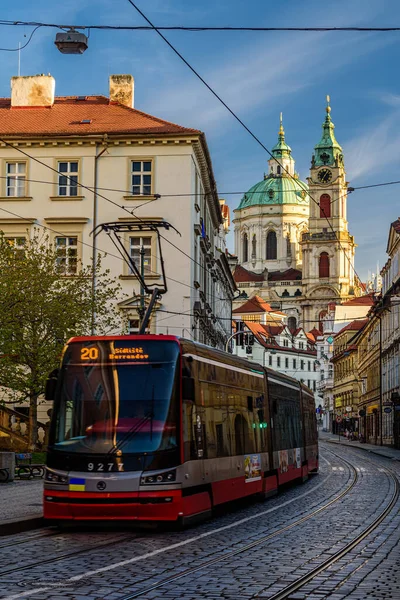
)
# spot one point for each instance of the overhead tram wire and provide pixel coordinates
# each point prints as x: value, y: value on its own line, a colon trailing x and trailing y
x: 239, y: 120
x: 350, y: 190
x: 47, y: 228
x: 131, y: 213
x: 81, y: 185
x: 194, y: 28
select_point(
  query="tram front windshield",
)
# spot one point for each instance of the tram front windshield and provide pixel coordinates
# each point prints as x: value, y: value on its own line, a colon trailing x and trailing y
x: 117, y: 396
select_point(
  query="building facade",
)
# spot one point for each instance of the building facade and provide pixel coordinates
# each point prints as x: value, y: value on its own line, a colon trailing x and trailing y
x: 291, y: 238
x: 275, y: 345
x: 72, y: 163
x: 346, y: 388
x: 390, y: 339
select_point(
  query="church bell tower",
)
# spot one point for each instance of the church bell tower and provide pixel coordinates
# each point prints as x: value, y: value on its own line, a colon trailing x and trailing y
x: 327, y: 248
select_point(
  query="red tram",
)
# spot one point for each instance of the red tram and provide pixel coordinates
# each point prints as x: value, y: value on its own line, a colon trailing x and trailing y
x: 161, y: 428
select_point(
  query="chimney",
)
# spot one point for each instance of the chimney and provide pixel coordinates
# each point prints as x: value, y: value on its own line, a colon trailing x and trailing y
x: 34, y: 90
x: 122, y: 89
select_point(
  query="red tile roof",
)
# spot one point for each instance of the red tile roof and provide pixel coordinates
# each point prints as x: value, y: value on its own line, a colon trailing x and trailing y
x: 355, y: 325
x: 288, y: 275
x: 67, y: 113
x: 242, y: 275
x: 253, y: 305
x: 367, y: 300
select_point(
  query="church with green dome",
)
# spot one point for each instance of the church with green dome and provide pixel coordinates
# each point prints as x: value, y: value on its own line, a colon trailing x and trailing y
x: 292, y: 243
x: 272, y: 215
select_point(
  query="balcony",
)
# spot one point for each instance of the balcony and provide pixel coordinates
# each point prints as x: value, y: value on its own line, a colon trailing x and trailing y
x: 323, y: 235
x: 325, y: 384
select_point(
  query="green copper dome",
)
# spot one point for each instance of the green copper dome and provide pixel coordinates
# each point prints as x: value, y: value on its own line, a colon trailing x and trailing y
x: 328, y: 151
x: 276, y: 189
x: 283, y: 187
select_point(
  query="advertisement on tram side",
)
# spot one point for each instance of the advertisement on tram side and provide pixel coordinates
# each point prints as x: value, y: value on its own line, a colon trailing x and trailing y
x: 252, y: 467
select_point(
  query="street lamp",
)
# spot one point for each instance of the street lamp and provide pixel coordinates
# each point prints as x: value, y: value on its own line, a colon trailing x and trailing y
x: 71, y: 42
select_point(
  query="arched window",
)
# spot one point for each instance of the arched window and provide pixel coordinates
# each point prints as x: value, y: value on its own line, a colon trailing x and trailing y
x: 321, y: 315
x: 254, y: 247
x: 271, y: 253
x: 245, y: 249
x: 288, y: 246
x: 325, y: 206
x: 323, y: 265
x: 278, y: 170
x: 292, y: 323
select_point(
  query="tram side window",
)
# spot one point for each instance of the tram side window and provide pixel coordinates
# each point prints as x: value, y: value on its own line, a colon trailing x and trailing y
x: 188, y: 430
x: 309, y: 420
x: 287, y: 431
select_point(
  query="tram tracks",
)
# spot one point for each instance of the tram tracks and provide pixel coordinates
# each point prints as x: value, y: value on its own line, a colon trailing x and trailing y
x: 228, y: 555
x: 60, y: 557
x: 295, y: 586
x: 287, y: 591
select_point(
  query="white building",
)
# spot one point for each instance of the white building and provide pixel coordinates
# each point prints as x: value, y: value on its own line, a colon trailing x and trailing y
x: 292, y: 240
x: 275, y: 344
x: 71, y: 163
x: 337, y: 317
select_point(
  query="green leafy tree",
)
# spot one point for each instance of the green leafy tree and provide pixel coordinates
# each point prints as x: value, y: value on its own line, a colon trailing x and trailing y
x: 46, y: 297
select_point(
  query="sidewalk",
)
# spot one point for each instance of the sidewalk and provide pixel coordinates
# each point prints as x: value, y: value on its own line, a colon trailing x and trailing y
x: 21, y: 506
x: 386, y: 451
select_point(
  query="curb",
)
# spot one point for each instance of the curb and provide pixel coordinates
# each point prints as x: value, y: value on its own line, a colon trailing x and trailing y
x: 22, y: 525
x: 364, y: 449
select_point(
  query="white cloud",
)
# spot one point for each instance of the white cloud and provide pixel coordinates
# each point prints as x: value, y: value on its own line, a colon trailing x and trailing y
x: 378, y: 147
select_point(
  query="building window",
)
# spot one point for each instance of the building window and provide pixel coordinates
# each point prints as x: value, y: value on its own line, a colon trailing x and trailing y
x: 321, y: 317
x: 323, y: 265
x: 245, y: 247
x: 67, y: 255
x: 135, y: 246
x: 314, y: 386
x: 278, y: 361
x: 16, y: 179
x: 270, y: 360
x: 301, y: 345
x: 134, y: 326
x: 254, y: 247
x: 18, y: 243
x: 141, y: 177
x: 68, y: 179
x: 325, y: 206
x: 271, y: 250
x: 292, y: 323
x: 278, y: 170
x: 286, y: 363
x: 286, y: 343
x: 302, y: 365
x: 309, y: 367
x: 294, y: 363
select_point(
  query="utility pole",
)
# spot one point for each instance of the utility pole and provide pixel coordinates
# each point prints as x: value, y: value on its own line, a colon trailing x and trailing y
x: 141, y: 309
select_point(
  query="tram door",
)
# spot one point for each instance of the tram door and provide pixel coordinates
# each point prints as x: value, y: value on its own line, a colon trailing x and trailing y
x: 199, y: 429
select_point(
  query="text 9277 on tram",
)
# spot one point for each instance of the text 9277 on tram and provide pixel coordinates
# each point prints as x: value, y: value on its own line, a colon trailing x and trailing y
x: 158, y: 428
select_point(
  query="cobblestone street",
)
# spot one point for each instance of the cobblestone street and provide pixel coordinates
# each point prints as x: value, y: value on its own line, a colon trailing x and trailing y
x: 250, y: 551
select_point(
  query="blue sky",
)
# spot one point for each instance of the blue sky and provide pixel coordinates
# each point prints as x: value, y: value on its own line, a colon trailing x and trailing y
x: 257, y: 74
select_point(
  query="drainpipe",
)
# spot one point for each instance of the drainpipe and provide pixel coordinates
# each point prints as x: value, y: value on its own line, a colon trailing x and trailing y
x: 94, y: 245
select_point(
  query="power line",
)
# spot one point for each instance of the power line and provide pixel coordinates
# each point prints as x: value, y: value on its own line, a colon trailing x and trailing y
x: 25, y: 45
x: 239, y: 120
x: 196, y: 29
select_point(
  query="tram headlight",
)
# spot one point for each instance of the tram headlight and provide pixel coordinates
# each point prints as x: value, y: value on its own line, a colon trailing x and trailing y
x: 166, y: 477
x: 55, y: 477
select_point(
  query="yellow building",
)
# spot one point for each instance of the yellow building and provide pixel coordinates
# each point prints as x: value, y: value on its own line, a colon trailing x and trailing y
x: 346, y: 388
x: 368, y: 343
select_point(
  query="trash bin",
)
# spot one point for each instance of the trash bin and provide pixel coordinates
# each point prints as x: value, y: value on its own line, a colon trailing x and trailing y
x: 7, y: 462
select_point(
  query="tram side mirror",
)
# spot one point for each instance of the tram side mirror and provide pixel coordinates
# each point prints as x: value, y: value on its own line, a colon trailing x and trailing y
x: 51, y: 384
x: 188, y: 389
